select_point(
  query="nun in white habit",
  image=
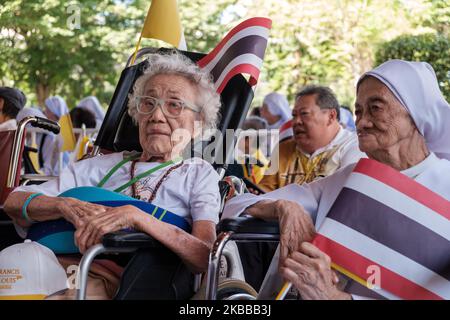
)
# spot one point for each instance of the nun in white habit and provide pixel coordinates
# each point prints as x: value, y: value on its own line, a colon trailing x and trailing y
x: 47, y: 142
x: 55, y: 108
x: 275, y: 109
x: 402, y: 121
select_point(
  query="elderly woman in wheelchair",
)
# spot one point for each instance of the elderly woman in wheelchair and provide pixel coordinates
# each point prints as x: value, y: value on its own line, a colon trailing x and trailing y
x: 172, y: 102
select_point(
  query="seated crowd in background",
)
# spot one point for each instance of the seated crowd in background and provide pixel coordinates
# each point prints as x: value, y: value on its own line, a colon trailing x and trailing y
x: 88, y: 112
x: 320, y: 145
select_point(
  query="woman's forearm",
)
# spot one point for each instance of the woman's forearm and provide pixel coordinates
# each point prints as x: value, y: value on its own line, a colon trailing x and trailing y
x: 40, y: 208
x: 193, y: 251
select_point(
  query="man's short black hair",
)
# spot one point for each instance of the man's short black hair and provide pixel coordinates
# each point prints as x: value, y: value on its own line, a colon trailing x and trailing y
x: 80, y: 116
x: 13, y: 101
x: 9, y: 109
x: 325, y: 97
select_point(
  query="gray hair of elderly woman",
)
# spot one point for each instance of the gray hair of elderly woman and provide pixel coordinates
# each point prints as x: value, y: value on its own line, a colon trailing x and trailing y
x: 175, y: 63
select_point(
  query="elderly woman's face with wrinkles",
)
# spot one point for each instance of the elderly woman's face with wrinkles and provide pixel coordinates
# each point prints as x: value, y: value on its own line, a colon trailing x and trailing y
x: 156, y: 130
x: 382, y: 123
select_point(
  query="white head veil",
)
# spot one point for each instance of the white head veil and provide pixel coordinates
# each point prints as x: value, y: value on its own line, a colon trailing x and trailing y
x: 415, y: 85
x: 92, y: 104
x: 29, y: 112
x: 57, y: 105
x: 279, y: 106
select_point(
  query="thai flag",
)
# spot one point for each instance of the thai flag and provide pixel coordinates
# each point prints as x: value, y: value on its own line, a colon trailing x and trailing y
x: 385, y: 221
x: 286, y: 131
x: 241, y: 51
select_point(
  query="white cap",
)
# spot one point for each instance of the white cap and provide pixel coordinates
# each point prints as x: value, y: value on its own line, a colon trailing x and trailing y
x: 30, y: 271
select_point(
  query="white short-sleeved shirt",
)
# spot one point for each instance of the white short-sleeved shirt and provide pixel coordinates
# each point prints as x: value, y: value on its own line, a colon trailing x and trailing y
x: 190, y: 191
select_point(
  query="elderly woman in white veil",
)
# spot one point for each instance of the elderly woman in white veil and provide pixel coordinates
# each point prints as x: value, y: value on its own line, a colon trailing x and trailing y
x: 55, y: 108
x: 45, y: 142
x: 275, y: 109
x: 402, y: 121
x: 92, y: 104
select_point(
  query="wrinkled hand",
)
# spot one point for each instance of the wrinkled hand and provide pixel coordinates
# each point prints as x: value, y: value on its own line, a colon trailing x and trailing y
x: 111, y: 220
x: 264, y: 209
x: 78, y: 212
x: 309, y: 270
x: 296, y: 227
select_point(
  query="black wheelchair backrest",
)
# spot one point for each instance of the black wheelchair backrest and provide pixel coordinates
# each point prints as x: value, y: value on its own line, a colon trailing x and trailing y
x: 119, y: 133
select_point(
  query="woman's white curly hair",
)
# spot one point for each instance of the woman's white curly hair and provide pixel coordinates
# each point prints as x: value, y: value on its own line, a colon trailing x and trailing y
x: 176, y: 63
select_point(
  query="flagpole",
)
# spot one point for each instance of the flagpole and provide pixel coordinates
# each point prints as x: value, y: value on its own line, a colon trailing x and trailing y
x: 137, y: 49
x: 284, y: 290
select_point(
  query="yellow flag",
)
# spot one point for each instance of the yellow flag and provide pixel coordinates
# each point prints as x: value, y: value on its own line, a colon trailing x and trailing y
x: 34, y: 155
x: 163, y: 23
x: 66, y: 132
x: 82, y: 146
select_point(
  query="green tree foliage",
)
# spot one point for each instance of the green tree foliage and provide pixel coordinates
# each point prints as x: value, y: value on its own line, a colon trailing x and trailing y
x: 68, y: 48
x: 330, y: 42
x: 432, y: 48
x: 44, y: 54
x: 438, y: 17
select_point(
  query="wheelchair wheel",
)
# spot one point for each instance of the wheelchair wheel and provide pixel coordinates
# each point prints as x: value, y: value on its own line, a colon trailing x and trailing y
x: 233, y: 289
x: 229, y: 289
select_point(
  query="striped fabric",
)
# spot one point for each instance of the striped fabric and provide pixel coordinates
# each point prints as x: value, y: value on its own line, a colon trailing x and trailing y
x: 286, y: 131
x: 385, y: 220
x: 241, y: 51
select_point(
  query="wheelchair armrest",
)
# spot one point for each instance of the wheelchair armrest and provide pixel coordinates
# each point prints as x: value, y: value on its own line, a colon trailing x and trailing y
x: 126, y: 239
x: 249, y: 225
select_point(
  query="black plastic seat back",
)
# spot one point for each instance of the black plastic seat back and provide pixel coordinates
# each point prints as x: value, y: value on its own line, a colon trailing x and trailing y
x: 156, y: 274
x: 119, y: 133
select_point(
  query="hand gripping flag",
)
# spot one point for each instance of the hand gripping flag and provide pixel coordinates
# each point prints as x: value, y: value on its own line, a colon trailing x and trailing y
x: 385, y: 222
x: 241, y: 51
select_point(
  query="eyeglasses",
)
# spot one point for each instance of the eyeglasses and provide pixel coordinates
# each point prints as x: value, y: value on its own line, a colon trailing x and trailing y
x: 171, y: 108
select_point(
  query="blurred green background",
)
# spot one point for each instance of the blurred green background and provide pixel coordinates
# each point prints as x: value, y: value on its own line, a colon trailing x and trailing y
x: 78, y: 48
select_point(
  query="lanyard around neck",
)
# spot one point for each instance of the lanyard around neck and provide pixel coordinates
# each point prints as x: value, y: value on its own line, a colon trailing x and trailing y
x: 138, y: 177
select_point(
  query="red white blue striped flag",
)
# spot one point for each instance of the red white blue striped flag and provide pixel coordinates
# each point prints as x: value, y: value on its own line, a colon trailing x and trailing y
x: 386, y: 220
x: 286, y: 131
x: 241, y: 51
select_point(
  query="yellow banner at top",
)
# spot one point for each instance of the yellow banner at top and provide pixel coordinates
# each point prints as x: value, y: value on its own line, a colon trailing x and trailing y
x: 163, y: 23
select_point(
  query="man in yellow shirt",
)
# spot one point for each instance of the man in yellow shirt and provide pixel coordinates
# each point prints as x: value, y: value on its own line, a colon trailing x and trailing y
x: 319, y: 147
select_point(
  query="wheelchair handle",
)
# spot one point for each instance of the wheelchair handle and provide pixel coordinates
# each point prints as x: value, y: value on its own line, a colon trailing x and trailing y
x: 18, y: 143
x: 46, y: 124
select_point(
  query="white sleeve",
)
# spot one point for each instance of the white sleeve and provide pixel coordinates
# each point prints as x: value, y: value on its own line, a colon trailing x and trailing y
x: 204, y: 200
x: 65, y: 181
x: 50, y: 155
x: 350, y: 152
x: 356, y: 297
x: 307, y: 195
